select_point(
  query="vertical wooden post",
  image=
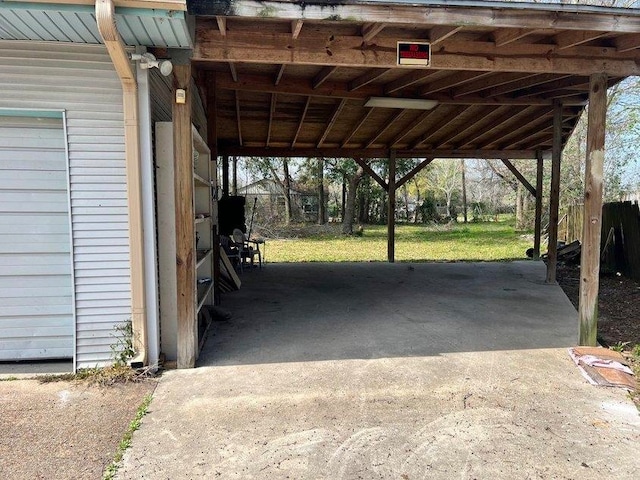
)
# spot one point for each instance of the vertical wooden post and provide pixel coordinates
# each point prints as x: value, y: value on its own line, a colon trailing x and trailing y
x: 592, y: 224
x: 185, y: 229
x: 212, y: 140
x: 554, y: 201
x: 225, y: 175
x: 391, y: 215
x: 234, y: 183
x: 538, y: 220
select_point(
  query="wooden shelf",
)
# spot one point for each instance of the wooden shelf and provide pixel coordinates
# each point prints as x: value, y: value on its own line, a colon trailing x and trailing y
x: 201, y: 220
x: 199, y: 181
x: 203, y: 258
x: 202, y: 298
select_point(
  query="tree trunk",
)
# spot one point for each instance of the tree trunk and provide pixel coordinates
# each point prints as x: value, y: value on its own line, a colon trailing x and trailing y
x: 519, y: 212
x: 405, y: 195
x: 287, y: 192
x: 344, y: 197
x: 464, y: 190
x: 350, y: 208
x: 418, y: 202
x: 322, y: 216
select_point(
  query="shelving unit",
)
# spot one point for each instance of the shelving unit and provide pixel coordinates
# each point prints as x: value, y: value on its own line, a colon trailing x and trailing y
x: 203, y: 238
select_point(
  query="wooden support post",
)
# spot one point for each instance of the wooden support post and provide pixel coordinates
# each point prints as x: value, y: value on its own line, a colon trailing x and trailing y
x: 185, y: 230
x: 225, y: 176
x: 212, y: 140
x: 554, y: 201
x: 391, y: 215
x: 538, y: 220
x: 234, y: 183
x: 592, y: 224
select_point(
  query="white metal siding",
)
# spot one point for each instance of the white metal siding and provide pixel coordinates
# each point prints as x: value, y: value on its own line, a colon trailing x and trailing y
x: 81, y: 80
x: 36, y: 296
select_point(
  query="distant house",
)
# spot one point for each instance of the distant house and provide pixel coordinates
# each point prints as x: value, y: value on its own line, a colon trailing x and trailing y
x: 270, y: 205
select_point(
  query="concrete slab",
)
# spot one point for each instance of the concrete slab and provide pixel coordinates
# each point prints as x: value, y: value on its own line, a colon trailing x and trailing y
x: 388, y: 371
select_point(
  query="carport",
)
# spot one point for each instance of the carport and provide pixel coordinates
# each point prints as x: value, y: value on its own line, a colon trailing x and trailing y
x: 326, y: 79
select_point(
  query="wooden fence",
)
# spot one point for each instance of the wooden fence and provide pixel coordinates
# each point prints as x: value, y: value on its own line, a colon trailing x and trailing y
x: 620, y: 243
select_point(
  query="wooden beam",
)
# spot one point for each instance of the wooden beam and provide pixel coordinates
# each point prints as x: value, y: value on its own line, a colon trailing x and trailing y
x: 592, y: 224
x: 572, y: 82
x: 407, y: 80
x: 272, y: 111
x: 440, y: 33
x: 367, y: 78
x: 347, y: 51
x: 222, y: 25
x: 356, y: 127
x: 371, y: 173
x: 413, y: 172
x: 332, y: 121
x: 187, y: 335
x: 626, y: 43
x: 524, y: 84
x: 279, y: 75
x: 322, y: 76
x: 296, y: 27
x: 505, y: 36
x: 336, y: 151
x: 387, y: 125
x: 299, y: 129
x: 391, y: 213
x: 537, y: 229
x: 519, y: 176
x: 574, y: 38
x: 212, y: 142
x: 370, y: 30
x: 554, y: 200
x: 237, y: 98
x: 529, y: 118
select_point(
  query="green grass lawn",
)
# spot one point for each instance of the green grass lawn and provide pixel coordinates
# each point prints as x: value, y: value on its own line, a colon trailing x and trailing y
x: 489, y: 241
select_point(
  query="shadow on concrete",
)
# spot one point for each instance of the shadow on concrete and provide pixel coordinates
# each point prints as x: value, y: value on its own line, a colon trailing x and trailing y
x: 320, y: 311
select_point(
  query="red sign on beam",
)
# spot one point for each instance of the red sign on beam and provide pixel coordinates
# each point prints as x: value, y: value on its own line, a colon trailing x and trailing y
x: 414, y: 54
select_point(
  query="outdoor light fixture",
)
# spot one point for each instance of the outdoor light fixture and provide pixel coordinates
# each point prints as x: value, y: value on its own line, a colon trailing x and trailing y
x: 409, y: 103
x: 148, y: 60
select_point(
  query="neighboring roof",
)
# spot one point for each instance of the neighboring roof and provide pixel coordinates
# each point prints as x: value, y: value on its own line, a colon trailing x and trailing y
x: 292, y: 78
x: 76, y: 23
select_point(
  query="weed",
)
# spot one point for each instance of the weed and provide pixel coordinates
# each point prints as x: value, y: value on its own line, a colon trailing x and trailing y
x: 125, y: 443
x: 9, y: 379
x: 635, y: 351
x: 619, y: 347
x: 122, y: 349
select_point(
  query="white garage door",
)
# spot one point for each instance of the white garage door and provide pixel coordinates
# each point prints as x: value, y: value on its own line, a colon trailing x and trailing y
x: 36, y: 307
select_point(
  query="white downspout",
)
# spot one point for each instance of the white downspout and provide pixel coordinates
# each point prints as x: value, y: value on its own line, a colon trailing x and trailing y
x: 105, y: 17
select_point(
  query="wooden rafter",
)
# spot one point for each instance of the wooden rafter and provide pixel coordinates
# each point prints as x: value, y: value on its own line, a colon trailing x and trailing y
x: 477, y: 129
x: 272, y: 111
x: 299, y: 129
x: 491, y: 81
x: 451, y: 81
x: 370, y: 30
x: 332, y: 121
x: 497, y: 126
x: 357, y: 126
x: 366, y: 78
x: 626, y: 43
x: 451, y: 117
x: 462, y: 131
x: 413, y: 172
x: 222, y: 25
x: 233, y: 71
x: 322, y: 76
x: 387, y: 125
x: 505, y: 36
x: 372, y: 173
x: 519, y: 176
x: 537, y: 79
x: 238, y: 118
x: 531, y: 127
x: 572, y: 39
x: 296, y: 27
x: 442, y: 32
x: 407, y: 80
x: 565, y: 83
x: 416, y: 124
x: 279, y: 74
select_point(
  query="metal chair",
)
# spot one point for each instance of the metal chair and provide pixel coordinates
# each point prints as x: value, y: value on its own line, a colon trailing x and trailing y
x: 248, y: 249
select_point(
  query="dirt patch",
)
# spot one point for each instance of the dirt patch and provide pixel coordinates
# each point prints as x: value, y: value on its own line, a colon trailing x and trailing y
x: 618, y: 304
x: 63, y: 430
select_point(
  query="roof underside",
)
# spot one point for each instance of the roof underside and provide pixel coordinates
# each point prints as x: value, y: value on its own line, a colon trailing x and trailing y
x: 292, y: 79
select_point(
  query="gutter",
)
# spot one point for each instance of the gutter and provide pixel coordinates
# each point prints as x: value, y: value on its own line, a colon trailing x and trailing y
x: 105, y: 17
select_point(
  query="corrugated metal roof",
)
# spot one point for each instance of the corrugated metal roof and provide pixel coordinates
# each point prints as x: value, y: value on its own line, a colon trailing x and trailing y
x: 77, y: 23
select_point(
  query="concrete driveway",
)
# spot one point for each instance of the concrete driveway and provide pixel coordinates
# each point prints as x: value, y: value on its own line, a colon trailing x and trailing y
x: 378, y: 371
